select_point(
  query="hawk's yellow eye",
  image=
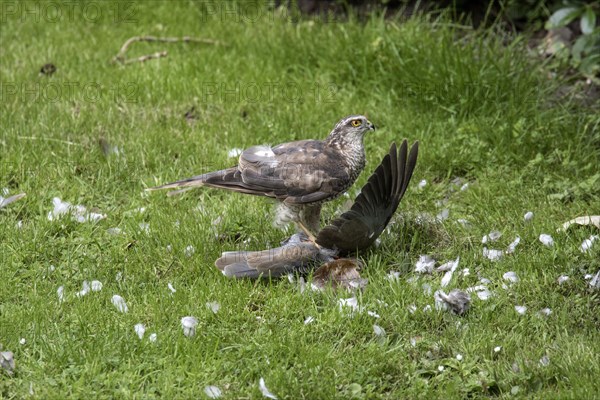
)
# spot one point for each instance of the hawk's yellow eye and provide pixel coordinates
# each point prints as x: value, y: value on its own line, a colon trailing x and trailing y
x: 356, y: 122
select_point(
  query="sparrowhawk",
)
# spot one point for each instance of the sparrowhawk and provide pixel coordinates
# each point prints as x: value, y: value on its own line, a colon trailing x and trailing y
x: 301, y: 175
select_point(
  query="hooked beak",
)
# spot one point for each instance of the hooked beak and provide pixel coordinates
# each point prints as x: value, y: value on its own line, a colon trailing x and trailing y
x: 370, y: 125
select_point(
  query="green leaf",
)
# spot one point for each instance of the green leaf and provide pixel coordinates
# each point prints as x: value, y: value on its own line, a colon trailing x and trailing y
x: 590, y: 65
x: 562, y: 17
x: 578, y: 48
x: 588, y: 21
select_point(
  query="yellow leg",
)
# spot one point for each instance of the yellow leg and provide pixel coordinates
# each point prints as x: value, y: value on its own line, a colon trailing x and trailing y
x: 308, y: 233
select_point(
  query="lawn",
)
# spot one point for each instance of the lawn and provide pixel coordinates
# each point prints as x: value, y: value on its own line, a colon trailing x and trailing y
x: 496, y: 141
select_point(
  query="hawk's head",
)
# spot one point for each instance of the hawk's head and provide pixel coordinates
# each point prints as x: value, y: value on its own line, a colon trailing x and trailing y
x: 350, y: 130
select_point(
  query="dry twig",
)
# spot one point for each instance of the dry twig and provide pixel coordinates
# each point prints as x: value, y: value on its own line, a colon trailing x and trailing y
x: 120, y: 57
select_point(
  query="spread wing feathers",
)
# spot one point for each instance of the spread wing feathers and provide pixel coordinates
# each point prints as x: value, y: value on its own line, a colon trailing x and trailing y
x: 296, y: 172
x: 359, y: 227
x: 274, y: 262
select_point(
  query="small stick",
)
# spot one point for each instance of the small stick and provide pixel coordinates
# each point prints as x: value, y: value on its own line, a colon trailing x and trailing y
x: 120, y: 57
x: 158, y: 54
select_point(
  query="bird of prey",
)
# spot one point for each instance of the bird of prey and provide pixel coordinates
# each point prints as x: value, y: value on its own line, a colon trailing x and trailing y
x: 301, y: 175
x: 354, y: 230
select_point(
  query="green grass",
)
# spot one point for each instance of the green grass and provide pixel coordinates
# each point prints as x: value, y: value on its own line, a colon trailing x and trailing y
x: 483, y: 110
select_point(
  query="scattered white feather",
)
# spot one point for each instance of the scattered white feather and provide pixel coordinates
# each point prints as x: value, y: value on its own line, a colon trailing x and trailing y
x: 413, y: 342
x: 140, y: 329
x: 511, y: 276
x: 235, y: 152
x: 497, y: 349
x: 152, y: 338
x: 464, y: 187
x: 485, y: 281
x: 19, y: 224
x: 562, y: 279
x: 213, y: 392
x: 309, y: 320
x: 492, y: 254
x: 521, y: 309
x: 513, y: 245
x: 22, y: 341
x: 459, y: 357
x: 144, y: 227
x: 595, y: 281
x: 114, y: 231
x: 425, y: 264
x: 545, y: 361
x: 189, y: 251
x: 481, y: 291
x: 60, y: 292
x: 78, y: 212
x: 546, y: 311
x: 7, y: 361
x: 263, y: 389
x: 546, y: 240
x: 465, y: 223
x: 189, y: 325
x: 426, y: 288
x: 443, y: 215
x: 382, y: 303
x: 450, y: 267
x: 441, y: 368
x: 528, y: 216
x: 484, y: 294
x: 301, y: 285
x: 422, y: 183
x: 427, y: 308
x: 169, y: 248
x: 119, y: 303
x: 393, y: 276
x: 379, y: 331
x: 291, y: 278
x: 60, y: 208
x: 466, y: 272
x: 412, y: 309
x: 492, y: 237
x: 351, y: 303
x: 446, y: 279
x: 85, y: 289
x: 96, y: 286
x: 213, y: 306
x: 171, y: 288
x: 587, y: 243
x: 456, y: 301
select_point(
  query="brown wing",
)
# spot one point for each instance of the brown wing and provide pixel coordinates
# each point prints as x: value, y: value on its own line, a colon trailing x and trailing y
x: 297, y: 172
x: 372, y: 210
x: 293, y: 257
